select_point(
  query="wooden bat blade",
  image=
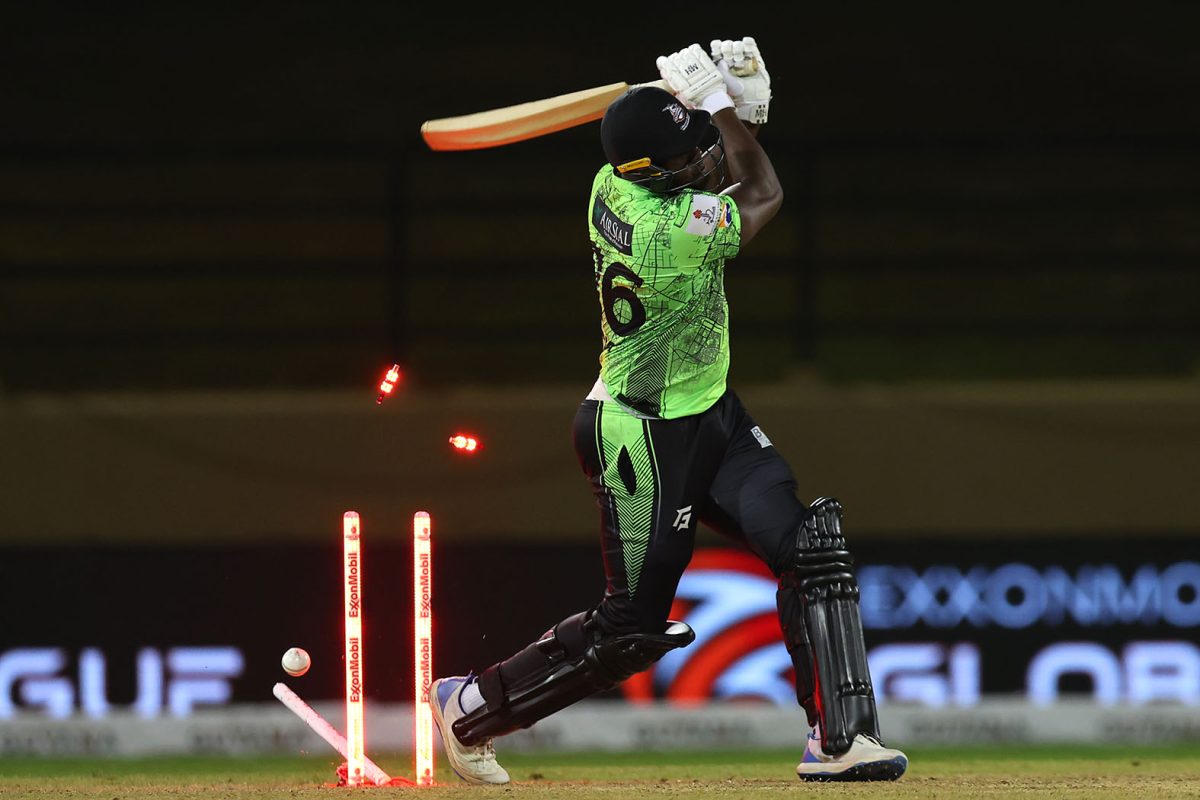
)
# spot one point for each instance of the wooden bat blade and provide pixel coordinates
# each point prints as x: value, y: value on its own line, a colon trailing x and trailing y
x: 501, y: 126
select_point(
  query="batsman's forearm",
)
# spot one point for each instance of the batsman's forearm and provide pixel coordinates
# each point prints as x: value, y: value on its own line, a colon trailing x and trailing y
x: 748, y: 162
x: 755, y: 186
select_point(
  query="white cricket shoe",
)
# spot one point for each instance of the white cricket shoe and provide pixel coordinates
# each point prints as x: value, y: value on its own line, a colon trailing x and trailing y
x: 866, y: 760
x: 473, y: 764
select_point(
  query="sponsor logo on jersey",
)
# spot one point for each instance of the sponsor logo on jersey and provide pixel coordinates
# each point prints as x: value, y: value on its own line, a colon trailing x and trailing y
x: 707, y: 210
x: 726, y: 216
x: 616, y: 231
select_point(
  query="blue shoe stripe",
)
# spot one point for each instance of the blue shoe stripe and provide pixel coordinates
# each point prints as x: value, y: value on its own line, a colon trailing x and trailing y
x: 809, y: 757
x: 445, y: 689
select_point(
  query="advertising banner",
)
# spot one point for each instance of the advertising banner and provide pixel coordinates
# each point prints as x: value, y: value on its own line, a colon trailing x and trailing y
x: 167, y: 632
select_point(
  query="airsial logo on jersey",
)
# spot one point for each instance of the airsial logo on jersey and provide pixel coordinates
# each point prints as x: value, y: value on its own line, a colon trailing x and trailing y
x: 618, y: 233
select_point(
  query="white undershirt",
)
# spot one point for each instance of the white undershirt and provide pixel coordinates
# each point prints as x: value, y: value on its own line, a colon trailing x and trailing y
x: 600, y: 392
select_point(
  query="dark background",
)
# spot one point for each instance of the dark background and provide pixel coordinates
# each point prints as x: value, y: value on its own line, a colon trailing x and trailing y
x: 210, y: 196
x: 977, y: 312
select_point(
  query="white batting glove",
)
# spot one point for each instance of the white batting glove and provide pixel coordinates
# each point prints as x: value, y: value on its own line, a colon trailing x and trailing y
x: 746, y: 76
x: 695, y: 79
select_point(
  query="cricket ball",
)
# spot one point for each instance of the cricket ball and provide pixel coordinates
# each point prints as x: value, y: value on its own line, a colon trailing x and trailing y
x: 296, y: 661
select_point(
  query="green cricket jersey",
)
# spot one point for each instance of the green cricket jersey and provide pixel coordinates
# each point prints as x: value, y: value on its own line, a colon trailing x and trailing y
x: 660, y: 267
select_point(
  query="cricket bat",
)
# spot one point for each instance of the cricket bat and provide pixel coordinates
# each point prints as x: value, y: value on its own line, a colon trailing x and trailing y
x: 502, y: 126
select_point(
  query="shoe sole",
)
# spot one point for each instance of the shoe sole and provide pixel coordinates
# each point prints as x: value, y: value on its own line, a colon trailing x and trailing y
x: 440, y: 721
x: 888, y: 770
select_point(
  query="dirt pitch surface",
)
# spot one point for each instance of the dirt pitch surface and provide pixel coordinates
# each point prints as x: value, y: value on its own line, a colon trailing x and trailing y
x: 973, y: 773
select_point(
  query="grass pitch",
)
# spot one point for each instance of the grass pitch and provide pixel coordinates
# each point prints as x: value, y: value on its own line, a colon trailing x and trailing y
x: 976, y: 772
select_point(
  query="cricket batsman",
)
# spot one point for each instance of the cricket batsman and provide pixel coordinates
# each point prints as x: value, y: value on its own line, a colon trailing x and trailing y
x: 665, y: 444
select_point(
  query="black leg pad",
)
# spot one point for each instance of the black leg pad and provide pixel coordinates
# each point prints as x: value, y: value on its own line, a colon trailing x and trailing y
x: 571, y: 662
x: 826, y: 622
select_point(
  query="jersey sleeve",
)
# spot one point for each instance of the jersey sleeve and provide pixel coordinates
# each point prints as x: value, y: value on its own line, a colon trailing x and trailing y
x: 707, y: 228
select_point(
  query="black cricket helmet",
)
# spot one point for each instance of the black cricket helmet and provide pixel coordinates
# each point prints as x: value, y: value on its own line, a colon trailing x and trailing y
x: 646, y: 127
